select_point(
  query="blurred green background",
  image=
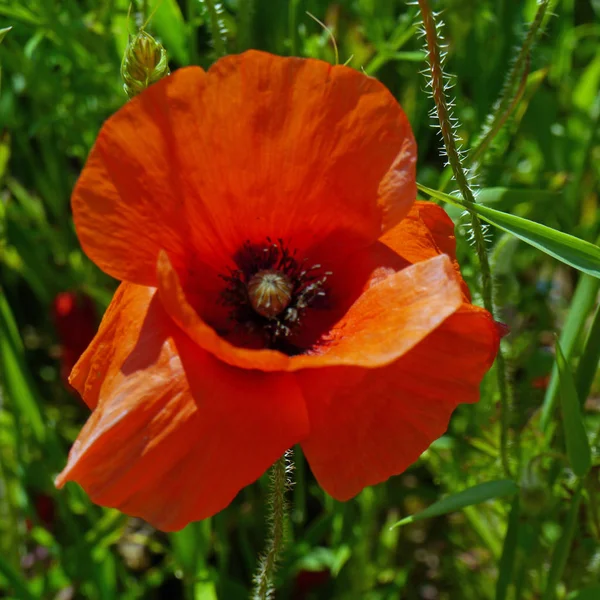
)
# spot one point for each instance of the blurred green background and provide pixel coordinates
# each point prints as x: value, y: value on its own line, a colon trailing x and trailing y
x: 60, y: 79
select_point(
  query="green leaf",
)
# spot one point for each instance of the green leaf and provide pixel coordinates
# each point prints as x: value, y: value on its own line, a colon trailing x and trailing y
x: 191, y: 545
x: 564, y: 247
x: 170, y: 26
x: 474, y: 495
x: 578, y: 447
x: 563, y: 546
x: 582, y: 304
x: 509, y: 552
x: 15, y: 375
x: 510, y: 197
x: 590, y: 358
x: 3, y: 33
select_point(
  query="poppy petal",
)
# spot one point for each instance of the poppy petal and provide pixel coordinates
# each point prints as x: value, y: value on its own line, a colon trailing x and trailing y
x: 175, y: 433
x: 426, y: 231
x: 385, y: 322
x: 390, y: 317
x: 183, y: 314
x: 369, y: 424
x: 259, y: 146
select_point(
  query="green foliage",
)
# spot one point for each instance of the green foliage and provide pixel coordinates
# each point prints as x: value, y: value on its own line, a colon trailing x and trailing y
x: 474, y: 495
x: 572, y: 251
x: 538, y: 166
x: 578, y: 446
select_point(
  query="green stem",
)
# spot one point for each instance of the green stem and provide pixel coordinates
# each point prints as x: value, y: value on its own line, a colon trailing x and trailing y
x: 500, y: 117
x: 506, y: 565
x: 561, y: 551
x: 263, y: 581
x: 293, y: 27
x: 191, y: 19
x: 444, y: 117
x: 518, y: 74
x: 244, y: 19
x: 300, y: 487
x: 215, y: 27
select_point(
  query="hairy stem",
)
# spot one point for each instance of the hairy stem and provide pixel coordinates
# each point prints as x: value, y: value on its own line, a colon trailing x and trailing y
x: 444, y: 117
x: 500, y: 117
x: 509, y: 98
x: 263, y: 580
x: 216, y: 26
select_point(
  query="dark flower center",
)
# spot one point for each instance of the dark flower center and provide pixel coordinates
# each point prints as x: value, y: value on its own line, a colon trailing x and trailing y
x: 271, y: 290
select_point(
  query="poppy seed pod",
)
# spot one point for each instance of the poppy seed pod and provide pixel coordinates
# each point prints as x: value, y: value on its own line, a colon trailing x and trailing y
x: 270, y: 292
x: 145, y: 62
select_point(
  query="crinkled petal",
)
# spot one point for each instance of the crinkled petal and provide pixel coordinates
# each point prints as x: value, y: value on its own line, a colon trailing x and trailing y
x: 390, y: 317
x: 369, y: 424
x: 426, y: 232
x: 259, y: 146
x: 175, y: 433
x: 385, y: 322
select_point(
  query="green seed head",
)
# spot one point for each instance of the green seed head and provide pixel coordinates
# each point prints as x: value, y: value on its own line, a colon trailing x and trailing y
x: 144, y: 63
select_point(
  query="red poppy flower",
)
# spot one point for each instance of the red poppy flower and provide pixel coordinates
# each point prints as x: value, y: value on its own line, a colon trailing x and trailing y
x: 75, y: 321
x: 280, y: 286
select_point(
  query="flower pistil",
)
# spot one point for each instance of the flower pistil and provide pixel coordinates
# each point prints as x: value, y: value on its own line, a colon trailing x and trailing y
x: 271, y: 289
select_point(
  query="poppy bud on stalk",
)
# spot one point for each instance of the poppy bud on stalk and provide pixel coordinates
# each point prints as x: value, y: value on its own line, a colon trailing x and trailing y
x: 144, y: 63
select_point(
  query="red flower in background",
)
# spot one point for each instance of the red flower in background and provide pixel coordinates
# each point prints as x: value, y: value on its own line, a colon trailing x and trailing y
x: 280, y: 286
x: 75, y: 321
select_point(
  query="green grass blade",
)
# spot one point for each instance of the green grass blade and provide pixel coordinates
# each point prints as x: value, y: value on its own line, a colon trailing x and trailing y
x: 245, y: 18
x: 190, y: 548
x: 570, y: 250
x: 15, y: 374
x: 588, y: 363
x: 509, y: 551
x: 561, y: 550
x: 474, y: 495
x: 169, y: 24
x: 3, y: 32
x: 582, y: 303
x: 507, y: 197
x: 578, y: 447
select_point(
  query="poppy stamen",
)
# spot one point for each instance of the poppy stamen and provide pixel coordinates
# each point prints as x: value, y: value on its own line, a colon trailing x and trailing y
x: 270, y: 292
x: 271, y: 289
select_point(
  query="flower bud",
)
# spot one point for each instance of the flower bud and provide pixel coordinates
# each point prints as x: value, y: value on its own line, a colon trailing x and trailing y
x: 144, y: 63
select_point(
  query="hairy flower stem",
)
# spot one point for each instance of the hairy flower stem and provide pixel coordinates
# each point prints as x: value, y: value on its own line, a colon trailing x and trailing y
x: 517, y: 78
x: 263, y: 580
x: 215, y: 25
x: 444, y: 117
